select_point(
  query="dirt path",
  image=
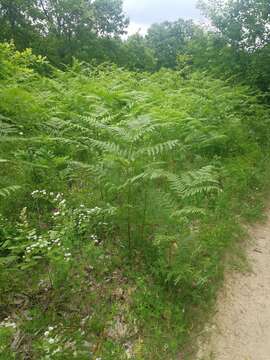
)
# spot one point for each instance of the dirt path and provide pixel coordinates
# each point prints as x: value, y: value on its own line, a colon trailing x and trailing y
x: 241, y: 327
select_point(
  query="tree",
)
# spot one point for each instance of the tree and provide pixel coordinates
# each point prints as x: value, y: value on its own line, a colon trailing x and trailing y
x: 170, y: 39
x: 138, y: 56
x: 244, y: 23
x: 109, y: 17
x: 16, y: 22
x: 244, y: 28
x: 61, y: 28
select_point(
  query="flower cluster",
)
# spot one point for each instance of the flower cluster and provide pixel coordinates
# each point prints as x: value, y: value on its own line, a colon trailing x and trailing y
x: 67, y: 256
x: 85, y: 220
x: 41, y: 243
x: 88, y: 222
x: 53, y: 238
x: 95, y: 239
x: 23, y: 218
x: 94, y: 222
x: 55, y: 341
x: 55, y: 198
x: 51, y: 339
x: 8, y: 323
x: 84, y: 214
x: 38, y: 193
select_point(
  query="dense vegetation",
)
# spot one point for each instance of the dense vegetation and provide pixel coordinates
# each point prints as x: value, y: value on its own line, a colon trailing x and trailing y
x: 236, y: 46
x: 122, y: 192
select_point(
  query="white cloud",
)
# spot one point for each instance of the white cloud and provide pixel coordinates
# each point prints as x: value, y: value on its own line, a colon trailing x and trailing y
x: 137, y: 28
x: 146, y: 12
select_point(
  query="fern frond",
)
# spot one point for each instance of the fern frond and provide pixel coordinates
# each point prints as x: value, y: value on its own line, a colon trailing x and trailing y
x: 7, y: 129
x: 66, y: 126
x: 7, y: 191
x: 78, y: 169
x: 197, y: 182
x: 60, y: 140
x: 142, y: 126
x: 188, y: 211
x: 166, y: 201
x: 73, y: 126
x: 111, y: 148
x: 159, y: 149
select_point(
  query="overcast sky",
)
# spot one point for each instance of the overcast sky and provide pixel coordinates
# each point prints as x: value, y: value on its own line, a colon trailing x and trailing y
x: 143, y: 13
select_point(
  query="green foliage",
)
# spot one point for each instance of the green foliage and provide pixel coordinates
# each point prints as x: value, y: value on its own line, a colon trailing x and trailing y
x: 16, y: 64
x: 63, y: 29
x: 138, y: 55
x: 244, y: 24
x: 170, y: 39
x: 240, y: 47
x: 120, y: 194
x: 5, y: 192
x: 236, y: 47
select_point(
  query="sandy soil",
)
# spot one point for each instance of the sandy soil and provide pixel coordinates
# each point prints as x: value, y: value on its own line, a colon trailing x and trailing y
x: 241, y: 326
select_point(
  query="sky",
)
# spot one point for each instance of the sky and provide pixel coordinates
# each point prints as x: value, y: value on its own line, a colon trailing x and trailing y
x: 143, y: 13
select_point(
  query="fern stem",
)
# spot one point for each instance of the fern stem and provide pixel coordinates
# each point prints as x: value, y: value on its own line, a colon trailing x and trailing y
x: 128, y: 219
x: 144, y: 211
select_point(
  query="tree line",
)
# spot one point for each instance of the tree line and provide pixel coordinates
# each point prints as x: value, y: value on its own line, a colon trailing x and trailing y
x: 235, y: 46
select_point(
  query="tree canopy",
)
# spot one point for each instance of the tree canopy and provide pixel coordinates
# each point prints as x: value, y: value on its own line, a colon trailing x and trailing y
x: 236, y: 46
x: 61, y: 29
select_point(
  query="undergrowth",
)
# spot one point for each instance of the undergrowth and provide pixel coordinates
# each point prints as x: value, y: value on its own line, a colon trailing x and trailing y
x: 121, y: 194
